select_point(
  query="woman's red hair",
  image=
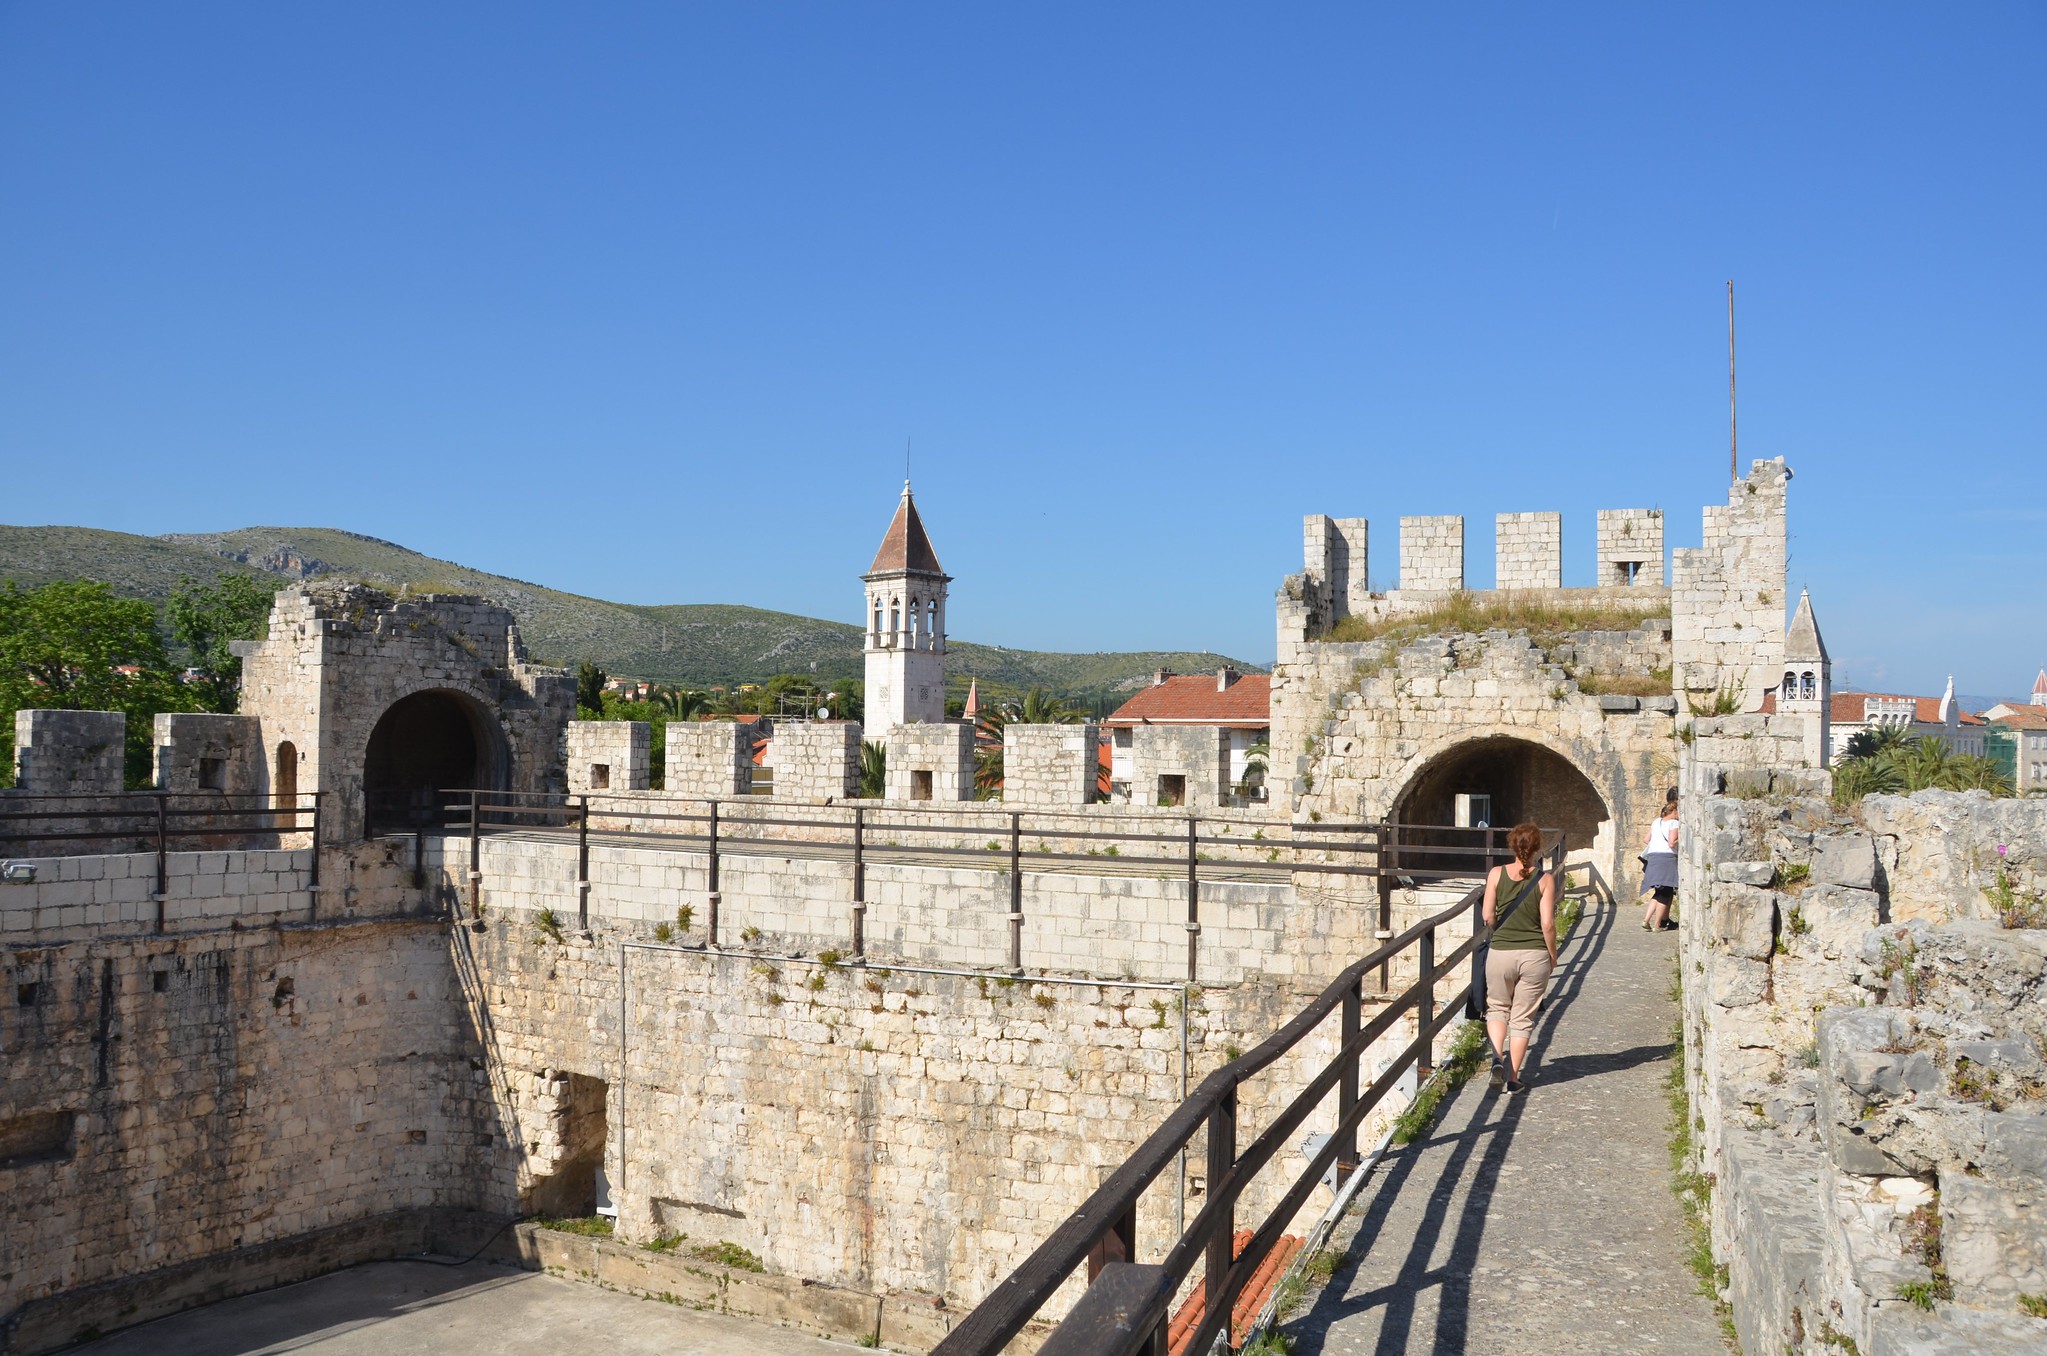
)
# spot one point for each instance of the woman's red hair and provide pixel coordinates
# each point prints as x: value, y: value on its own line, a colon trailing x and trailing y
x: 1525, y: 842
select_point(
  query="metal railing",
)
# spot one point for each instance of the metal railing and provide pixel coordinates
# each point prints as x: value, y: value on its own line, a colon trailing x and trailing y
x: 158, y: 821
x: 1195, y: 847
x: 1125, y: 1308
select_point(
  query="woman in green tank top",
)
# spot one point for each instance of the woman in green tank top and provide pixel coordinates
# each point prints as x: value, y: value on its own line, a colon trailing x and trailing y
x: 1521, y: 908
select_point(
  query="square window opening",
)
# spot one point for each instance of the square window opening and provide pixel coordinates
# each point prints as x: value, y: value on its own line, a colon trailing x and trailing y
x: 1173, y: 789
x: 920, y: 784
x: 213, y: 774
x: 600, y: 776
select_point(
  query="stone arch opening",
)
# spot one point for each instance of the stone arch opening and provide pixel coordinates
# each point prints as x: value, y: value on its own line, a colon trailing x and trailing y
x: 1523, y: 781
x: 423, y: 748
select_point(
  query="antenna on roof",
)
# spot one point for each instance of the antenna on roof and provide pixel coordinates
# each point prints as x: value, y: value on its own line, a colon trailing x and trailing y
x: 1733, y: 461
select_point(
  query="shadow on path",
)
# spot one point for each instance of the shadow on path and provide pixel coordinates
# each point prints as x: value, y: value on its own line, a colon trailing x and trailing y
x: 1477, y: 1148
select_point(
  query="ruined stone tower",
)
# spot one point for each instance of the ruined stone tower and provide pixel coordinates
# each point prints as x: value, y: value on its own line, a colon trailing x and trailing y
x: 905, y: 624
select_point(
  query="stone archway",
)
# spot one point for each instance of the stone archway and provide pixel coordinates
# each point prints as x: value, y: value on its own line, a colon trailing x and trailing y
x: 424, y: 747
x: 1524, y: 780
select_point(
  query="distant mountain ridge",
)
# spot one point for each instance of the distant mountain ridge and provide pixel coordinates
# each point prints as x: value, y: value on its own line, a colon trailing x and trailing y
x: 701, y: 643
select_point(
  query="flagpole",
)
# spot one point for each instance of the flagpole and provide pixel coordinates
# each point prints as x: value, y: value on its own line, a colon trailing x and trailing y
x: 1733, y: 437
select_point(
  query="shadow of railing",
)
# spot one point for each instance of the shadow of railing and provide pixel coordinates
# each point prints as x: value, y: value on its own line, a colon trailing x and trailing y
x: 1478, y: 1151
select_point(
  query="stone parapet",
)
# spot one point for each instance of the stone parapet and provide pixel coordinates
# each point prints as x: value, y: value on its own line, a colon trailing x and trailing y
x: 198, y: 752
x: 929, y: 762
x: 1529, y: 551
x: 1187, y: 766
x: 1631, y: 548
x: 609, y: 755
x: 815, y: 760
x: 1432, y: 554
x: 708, y: 759
x: 69, y: 753
x: 1050, y: 766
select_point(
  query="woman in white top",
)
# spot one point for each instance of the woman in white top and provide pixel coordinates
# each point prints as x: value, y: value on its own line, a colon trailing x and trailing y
x: 1659, y: 868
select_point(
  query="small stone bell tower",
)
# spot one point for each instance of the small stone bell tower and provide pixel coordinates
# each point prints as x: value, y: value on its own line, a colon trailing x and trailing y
x: 1807, y: 688
x: 905, y: 625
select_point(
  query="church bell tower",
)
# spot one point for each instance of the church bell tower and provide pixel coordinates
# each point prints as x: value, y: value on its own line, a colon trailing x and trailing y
x: 905, y: 625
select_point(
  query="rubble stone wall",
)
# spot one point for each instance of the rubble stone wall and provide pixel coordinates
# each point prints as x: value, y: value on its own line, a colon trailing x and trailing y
x: 1864, y: 1047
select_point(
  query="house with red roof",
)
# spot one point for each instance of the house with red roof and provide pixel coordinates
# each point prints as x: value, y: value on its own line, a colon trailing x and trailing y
x: 1932, y: 717
x: 1188, y: 739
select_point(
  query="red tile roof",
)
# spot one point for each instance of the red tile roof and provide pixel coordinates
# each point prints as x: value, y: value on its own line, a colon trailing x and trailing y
x: 1194, y: 699
x: 905, y: 546
x: 2024, y: 718
x: 1849, y: 707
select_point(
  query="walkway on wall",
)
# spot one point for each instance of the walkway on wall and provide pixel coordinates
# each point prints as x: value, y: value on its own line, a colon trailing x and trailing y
x: 1540, y: 1222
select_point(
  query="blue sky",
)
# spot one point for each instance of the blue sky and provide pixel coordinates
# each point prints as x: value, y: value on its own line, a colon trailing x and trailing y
x: 642, y: 301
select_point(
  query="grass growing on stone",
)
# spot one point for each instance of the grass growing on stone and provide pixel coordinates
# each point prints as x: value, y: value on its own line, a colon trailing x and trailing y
x: 729, y: 1255
x: 1654, y: 684
x: 1474, y: 613
x: 1467, y: 1056
x: 664, y: 1243
x: 2033, y: 1306
x: 589, y: 1226
x: 1693, y: 1189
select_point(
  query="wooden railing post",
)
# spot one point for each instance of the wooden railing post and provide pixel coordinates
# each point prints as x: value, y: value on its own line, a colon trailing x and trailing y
x: 711, y: 881
x: 1015, y: 891
x: 1222, y: 1157
x: 1193, y: 897
x: 1389, y: 862
x: 1347, y: 1086
x: 1425, y: 1003
x: 163, y: 865
x: 313, y: 874
x: 1118, y: 1243
x: 583, y: 864
x: 859, y: 880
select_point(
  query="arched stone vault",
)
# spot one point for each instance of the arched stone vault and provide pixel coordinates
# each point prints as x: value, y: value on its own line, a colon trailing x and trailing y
x: 1361, y: 723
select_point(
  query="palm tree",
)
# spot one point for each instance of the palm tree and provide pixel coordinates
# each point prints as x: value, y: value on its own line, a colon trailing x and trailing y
x: 682, y: 703
x: 873, y: 771
x: 1872, y: 740
x: 1255, y: 759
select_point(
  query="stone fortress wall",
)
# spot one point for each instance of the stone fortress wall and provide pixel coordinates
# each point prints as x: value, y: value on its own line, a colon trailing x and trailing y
x: 1370, y: 729
x: 1863, y: 1053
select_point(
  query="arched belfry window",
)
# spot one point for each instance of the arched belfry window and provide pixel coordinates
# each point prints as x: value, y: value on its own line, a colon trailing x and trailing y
x: 877, y: 619
x: 931, y: 621
x: 1790, y: 686
x: 1806, y: 687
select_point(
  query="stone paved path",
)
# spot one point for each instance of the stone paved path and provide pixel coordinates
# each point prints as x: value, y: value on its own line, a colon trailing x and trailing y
x: 1539, y: 1223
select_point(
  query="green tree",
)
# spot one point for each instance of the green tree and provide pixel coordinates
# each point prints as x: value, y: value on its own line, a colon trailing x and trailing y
x: 208, y: 620
x: 590, y: 682
x: 681, y: 703
x: 873, y: 771
x: 1872, y: 740
x: 63, y: 647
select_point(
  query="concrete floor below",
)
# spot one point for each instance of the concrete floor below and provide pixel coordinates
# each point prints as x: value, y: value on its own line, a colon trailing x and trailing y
x: 418, y: 1308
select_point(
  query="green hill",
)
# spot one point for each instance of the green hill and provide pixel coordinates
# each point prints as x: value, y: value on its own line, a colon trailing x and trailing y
x: 685, y: 643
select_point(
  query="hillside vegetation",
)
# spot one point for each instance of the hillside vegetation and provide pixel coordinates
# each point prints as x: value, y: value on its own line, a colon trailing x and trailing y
x: 689, y: 643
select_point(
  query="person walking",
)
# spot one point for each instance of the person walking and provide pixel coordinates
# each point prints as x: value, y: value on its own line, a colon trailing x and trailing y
x: 1521, y: 909
x: 1659, y: 867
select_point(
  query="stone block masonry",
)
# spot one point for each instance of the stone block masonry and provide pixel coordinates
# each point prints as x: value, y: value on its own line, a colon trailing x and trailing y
x: 1727, y: 596
x: 1050, y: 766
x: 69, y: 753
x: 709, y: 759
x: 1432, y: 554
x: 1174, y: 765
x: 1529, y: 551
x: 816, y: 759
x: 609, y: 755
x: 197, y: 752
x: 930, y: 762
x: 1631, y: 548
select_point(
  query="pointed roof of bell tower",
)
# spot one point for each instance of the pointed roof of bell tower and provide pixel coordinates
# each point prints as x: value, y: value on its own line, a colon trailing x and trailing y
x: 906, y: 547
x: 1802, y: 643
x: 2040, y: 689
